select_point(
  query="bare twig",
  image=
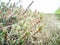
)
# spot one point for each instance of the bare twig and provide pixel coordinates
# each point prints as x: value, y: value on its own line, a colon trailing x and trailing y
x: 28, y: 7
x: 8, y: 3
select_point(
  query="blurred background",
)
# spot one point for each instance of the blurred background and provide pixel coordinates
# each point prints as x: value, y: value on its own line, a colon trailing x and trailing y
x: 45, y: 6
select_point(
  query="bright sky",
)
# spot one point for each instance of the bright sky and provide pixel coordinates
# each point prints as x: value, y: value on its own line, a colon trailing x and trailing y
x: 46, y: 6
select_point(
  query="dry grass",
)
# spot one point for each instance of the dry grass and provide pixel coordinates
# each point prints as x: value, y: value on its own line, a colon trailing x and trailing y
x: 32, y: 28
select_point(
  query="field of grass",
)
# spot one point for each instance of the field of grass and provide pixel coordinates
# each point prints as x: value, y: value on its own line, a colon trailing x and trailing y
x: 20, y: 27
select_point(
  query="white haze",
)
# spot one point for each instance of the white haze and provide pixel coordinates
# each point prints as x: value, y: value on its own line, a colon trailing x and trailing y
x: 46, y: 6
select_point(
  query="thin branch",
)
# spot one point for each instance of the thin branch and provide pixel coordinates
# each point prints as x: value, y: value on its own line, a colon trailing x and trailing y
x: 28, y: 7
